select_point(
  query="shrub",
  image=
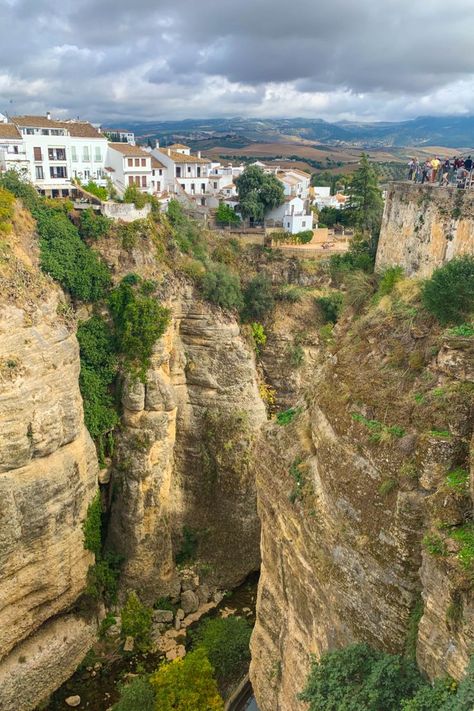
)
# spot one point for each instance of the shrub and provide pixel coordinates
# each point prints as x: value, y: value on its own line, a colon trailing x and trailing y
x: 449, y: 294
x: 358, y: 258
x: 387, y: 280
x: 464, y: 698
x: 303, y: 237
x: 359, y: 677
x: 259, y: 337
x: 139, y: 321
x: 290, y: 293
x: 458, y: 480
x: 360, y: 287
x: 434, y: 545
x: 93, y: 225
x: 464, y: 330
x: 387, y: 486
x: 226, y: 215
x: 98, y: 371
x: 226, y: 641
x: 7, y: 203
x: 465, y: 536
x: 92, y: 526
x: 22, y: 189
x: 98, y: 191
x: 134, y: 195
x: 137, y: 695
x: 103, y: 577
x: 175, y: 213
x: 258, y: 298
x: 330, y: 306
x: 187, y: 684
x: 222, y: 287
x: 431, y: 697
x: 136, y: 621
x: 287, y: 416
x: 188, y: 548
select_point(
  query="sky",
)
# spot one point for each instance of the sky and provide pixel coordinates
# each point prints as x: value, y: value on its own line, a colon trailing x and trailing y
x: 153, y: 60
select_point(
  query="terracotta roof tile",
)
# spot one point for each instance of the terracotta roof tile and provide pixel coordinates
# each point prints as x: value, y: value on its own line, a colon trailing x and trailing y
x: 174, y: 146
x: 128, y: 150
x: 182, y: 158
x: 78, y: 129
x: 9, y: 130
x: 155, y: 163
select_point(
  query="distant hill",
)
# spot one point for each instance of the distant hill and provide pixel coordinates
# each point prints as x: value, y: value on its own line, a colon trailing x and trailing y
x: 449, y: 131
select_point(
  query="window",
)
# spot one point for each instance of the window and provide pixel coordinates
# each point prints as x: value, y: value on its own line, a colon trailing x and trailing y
x: 130, y: 180
x: 199, y: 172
x: 137, y: 180
x: 215, y: 186
x: 85, y: 153
x: 303, y: 224
x: 193, y: 188
x: 87, y: 174
x: 57, y: 153
x: 144, y: 162
x: 143, y: 181
x: 160, y: 172
x: 137, y: 162
x: 45, y: 131
x: 39, y: 172
x: 74, y: 154
x: 203, y: 187
x: 58, y: 171
x: 15, y: 149
x: 97, y: 154
x: 183, y: 186
x: 37, y: 153
x: 178, y: 171
x: 158, y: 186
x: 30, y: 131
x: 189, y: 168
x: 130, y: 162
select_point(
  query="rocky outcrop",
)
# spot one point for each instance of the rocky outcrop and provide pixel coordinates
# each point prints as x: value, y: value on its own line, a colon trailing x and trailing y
x: 48, y: 476
x: 424, y: 226
x: 346, y: 494
x: 169, y: 486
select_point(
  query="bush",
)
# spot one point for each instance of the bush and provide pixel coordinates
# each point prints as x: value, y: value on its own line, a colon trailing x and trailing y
x: 103, y: 578
x: 359, y: 257
x: 360, y: 287
x: 388, y: 279
x: 137, y: 695
x: 226, y: 641
x: 221, y: 287
x: 22, y: 189
x: 136, y: 621
x: 139, y: 321
x: 226, y: 215
x: 7, y: 203
x: 175, y: 213
x: 258, y: 298
x: 98, y: 371
x: 93, y: 225
x: 431, y: 698
x: 188, y: 548
x: 303, y: 237
x: 330, y: 306
x: 133, y: 195
x: 187, y: 685
x: 292, y: 294
x: 449, y: 294
x: 259, y: 337
x: 92, y: 526
x: 287, y: 416
x: 67, y: 259
x: 359, y: 677
x: 94, y: 189
x: 464, y: 699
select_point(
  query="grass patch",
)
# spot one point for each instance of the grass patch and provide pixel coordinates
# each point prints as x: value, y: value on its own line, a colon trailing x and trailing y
x: 287, y: 416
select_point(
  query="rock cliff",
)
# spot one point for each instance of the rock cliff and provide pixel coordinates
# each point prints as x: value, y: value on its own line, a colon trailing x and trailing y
x: 424, y: 226
x: 348, y: 491
x: 48, y: 476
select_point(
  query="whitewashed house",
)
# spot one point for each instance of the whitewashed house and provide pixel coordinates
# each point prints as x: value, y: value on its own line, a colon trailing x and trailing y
x: 119, y: 135
x: 12, y: 150
x: 184, y: 173
x: 129, y: 165
x: 295, y: 182
x: 58, y: 151
x: 291, y: 216
x: 323, y: 198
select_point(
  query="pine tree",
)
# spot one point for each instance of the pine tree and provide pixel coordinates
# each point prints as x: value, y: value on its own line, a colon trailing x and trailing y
x: 366, y: 202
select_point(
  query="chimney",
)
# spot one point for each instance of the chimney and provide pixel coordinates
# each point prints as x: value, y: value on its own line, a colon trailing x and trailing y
x: 48, y: 115
x: 157, y: 143
x: 199, y: 154
x: 169, y: 151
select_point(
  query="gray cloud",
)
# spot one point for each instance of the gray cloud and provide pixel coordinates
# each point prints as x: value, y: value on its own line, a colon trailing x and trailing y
x: 150, y: 59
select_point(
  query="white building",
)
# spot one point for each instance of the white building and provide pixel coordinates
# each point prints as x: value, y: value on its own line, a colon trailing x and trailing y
x: 291, y: 215
x: 119, y: 135
x: 295, y: 182
x: 184, y: 172
x: 12, y: 149
x: 129, y: 165
x: 323, y: 198
x: 54, y: 152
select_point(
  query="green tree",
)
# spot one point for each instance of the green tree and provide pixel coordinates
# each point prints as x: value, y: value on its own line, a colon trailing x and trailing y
x: 365, y: 204
x: 138, y: 695
x: 187, y: 685
x: 134, y: 195
x: 258, y: 298
x: 93, y: 225
x: 449, y: 294
x: 222, y: 287
x: 226, y: 215
x: 226, y: 641
x: 258, y: 192
x: 136, y: 621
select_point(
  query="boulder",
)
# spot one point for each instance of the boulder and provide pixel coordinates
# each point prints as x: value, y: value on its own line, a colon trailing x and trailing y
x: 189, y: 602
x: 163, y: 616
x: 73, y: 700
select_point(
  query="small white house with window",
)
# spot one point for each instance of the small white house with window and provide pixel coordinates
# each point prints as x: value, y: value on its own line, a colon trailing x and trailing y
x: 12, y: 149
x: 129, y: 165
x: 291, y: 216
x: 184, y: 172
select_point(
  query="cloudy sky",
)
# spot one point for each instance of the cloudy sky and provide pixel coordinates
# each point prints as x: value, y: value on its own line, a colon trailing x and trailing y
x: 151, y: 60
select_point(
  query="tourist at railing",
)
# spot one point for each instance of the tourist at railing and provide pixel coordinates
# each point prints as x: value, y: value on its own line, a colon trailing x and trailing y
x: 457, y: 171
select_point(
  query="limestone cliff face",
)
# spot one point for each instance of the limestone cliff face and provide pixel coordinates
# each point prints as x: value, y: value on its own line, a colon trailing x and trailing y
x: 48, y: 475
x: 424, y: 226
x: 167, y: 479
x: 345, y: 495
